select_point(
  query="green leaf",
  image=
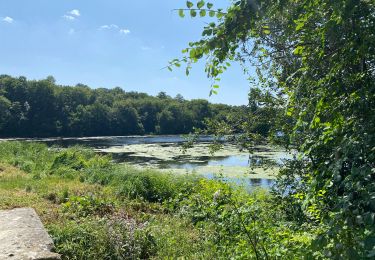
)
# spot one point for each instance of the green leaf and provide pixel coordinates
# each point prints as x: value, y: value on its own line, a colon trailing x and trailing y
x: 219, y: 15
x: 189, y: 4
x: 300, y: 24
x: 213, y: 92
x: 192, y: 53
x: 266, y: 29
x: 369, y: 219
x: 200, y: 4
x: 289, y: 111
x: 202, y: 13
x: 209, y: 5
x: 207, y: 32
x: 215, y: 86
x: 298, y: 50
x: 211, y: 13
x: 181, y: 13
x: 193, y: 13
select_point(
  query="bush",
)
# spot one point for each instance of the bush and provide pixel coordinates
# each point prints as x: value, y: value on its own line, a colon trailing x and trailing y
x: 117, y: 237
x: 129, y: 239
x: 83, y: 206
x: 39, y: 160
x: 243, y: 225
x: 29, y: 156
x: 151, y: 185
x: 86, y: 239
x: 70, y: 158
x: 79, y: 161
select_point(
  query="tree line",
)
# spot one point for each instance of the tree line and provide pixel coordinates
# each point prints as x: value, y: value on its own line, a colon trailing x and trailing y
x: 41, y: 108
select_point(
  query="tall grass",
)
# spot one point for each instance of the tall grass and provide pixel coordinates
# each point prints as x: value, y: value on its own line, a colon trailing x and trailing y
x: 87, y: 166
x: 29, y: 157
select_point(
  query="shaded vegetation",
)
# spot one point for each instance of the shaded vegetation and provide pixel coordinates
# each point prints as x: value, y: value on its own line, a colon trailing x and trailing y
x: 314, y: 60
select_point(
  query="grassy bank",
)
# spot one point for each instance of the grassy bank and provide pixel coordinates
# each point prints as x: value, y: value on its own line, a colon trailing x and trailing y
x: 95, y: 209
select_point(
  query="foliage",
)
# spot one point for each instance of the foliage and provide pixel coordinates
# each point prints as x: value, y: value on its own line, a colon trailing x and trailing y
x: 152, y: 186
x: 143, y: 213
x: 30, y: 157
x: 243, y: 225
x: 316, y: 60
x: 36, y: 158
x: 115, y: 238
x: 5, y: 111
x: 87, y: 166
x: 84, y: 240
x: 177, y: 238
x: 41, y: 108
x: 83, y: 206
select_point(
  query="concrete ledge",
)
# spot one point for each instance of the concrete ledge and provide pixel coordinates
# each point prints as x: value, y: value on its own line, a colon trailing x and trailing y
x: 23, y: 236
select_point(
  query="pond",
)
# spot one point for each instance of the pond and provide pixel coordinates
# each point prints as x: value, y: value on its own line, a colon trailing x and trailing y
x: 166, y: 154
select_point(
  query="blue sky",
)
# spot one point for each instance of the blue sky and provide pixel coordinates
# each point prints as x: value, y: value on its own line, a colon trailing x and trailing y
x: 108, y: 43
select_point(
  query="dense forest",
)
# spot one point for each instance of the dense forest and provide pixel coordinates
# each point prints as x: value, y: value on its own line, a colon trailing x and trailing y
x: 31, y: 108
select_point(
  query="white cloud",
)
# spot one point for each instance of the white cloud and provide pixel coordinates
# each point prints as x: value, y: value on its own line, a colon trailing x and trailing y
x: 72, y: 15
x: 114, y: 27
x: 124, y: 31
x: 108, y: 27
x: 69, y: 17
x: 75, y: 12
x: 8, y: 19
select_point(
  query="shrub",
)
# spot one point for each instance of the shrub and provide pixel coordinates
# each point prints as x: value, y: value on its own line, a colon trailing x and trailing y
x: 243, y: 225
x: 86, y: 239
x: 39, y: 160
x: 70, y: 158
x: 31, y: 157
x: 117, y: 237
x: 129, y: 239
x: 92, y: 167
x: 151, y: 185
x: 83, y: 206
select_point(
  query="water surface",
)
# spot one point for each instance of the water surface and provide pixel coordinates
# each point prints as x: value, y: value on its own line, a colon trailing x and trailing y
x: 165, y: 153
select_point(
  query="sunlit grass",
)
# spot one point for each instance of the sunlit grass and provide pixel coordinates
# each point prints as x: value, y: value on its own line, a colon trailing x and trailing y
x: 94, y: 208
